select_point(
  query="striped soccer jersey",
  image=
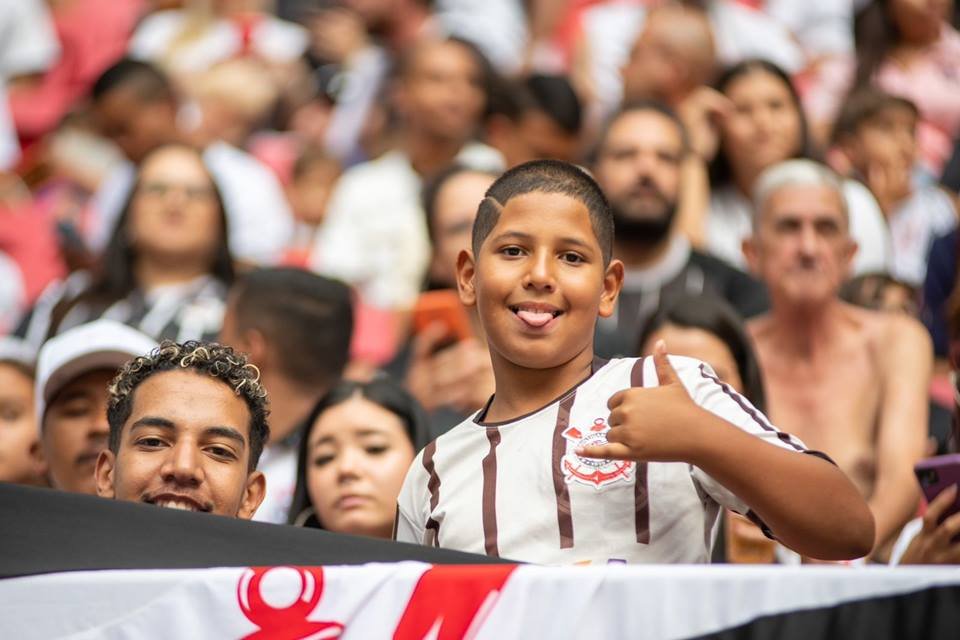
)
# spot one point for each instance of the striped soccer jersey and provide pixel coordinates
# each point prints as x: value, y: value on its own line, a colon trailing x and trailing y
x: 518, y: 490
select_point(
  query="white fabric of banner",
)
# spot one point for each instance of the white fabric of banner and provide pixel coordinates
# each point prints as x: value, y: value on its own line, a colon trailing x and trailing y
x: 416, y: 600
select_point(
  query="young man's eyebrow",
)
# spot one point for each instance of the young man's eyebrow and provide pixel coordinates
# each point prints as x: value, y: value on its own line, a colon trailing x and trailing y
x: 152, y: 421
x: 225, y: 432
x: 215, y: 431
x: 67, y: 395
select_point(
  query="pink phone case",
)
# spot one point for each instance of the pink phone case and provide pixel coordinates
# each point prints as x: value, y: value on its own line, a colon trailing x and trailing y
x: 938, y: 473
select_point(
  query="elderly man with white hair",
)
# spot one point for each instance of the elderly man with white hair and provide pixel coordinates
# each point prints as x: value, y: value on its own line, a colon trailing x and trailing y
x: 848, y: 381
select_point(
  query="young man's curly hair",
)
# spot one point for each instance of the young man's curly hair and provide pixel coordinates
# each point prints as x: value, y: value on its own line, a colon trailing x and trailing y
x: 206, y: 358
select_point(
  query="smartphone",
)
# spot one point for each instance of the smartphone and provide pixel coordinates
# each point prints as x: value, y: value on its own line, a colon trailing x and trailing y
x: 444, y: 307
x: 936, y: 474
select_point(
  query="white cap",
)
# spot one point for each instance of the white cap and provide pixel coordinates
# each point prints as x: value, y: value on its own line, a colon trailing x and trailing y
x: 17, y: 350
x: 102, y: 344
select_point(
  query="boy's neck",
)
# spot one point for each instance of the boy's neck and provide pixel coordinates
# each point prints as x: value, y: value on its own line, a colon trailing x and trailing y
x: 521, y: 390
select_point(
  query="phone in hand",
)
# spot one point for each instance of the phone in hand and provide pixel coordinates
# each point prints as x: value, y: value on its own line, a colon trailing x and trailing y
x: 442, y: 307
x: 936, y: 474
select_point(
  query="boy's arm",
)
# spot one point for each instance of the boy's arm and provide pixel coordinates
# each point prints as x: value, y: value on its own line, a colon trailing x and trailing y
x: 906, y: 362
x: 807, y: 502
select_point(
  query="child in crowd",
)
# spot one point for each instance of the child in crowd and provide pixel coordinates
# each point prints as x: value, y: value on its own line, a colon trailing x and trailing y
x: 877, y: 133
x: 315, y: 173
x: 578, y: 460
x: 21, y: 460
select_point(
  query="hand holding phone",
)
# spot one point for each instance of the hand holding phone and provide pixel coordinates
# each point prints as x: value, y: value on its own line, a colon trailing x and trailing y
x: 938, y: 474
x: 442, y: 307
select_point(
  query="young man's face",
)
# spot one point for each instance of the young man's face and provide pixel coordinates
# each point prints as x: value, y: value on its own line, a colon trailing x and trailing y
x: 75, y: 431
x: 539, y: 282
x: 186, y: 445
x: 802, y: 248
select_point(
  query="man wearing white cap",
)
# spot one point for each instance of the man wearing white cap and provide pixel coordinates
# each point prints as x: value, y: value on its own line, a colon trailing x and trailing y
x: 73, y: 371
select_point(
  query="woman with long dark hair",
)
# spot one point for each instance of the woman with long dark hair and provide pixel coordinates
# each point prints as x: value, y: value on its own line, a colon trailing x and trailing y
x: 765, y: 125
x: 355, y: 450
x: 707, y: 328
x: 167, y: 267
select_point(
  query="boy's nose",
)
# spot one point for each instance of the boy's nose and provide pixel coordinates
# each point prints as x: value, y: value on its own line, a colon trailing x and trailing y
x: 540, y: 275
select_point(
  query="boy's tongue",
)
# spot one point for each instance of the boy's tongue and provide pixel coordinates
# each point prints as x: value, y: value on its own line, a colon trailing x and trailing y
x: 535, y: 318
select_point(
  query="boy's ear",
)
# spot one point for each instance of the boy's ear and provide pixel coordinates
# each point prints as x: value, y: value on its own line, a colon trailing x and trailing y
x: 106, y: 466
x: 466, y: 271
x: 612, y: 283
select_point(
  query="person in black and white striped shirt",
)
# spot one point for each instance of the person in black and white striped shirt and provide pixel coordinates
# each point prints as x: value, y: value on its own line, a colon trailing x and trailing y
x: 577, y: 460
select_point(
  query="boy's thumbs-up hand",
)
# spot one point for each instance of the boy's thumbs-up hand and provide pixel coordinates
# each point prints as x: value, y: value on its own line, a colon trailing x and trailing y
x: 650, y: 424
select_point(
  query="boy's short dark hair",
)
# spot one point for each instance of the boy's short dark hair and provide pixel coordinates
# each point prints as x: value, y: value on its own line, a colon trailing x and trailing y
x: 546, y: 176
x: 205, y: 358
x: 862, y: 105
x: 150, y: 83
x: 306, y: 318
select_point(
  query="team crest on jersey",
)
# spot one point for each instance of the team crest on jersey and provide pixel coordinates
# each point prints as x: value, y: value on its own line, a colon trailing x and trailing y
x: 592, y: 471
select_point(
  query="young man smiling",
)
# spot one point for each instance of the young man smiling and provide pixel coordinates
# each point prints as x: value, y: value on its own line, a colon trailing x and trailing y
x: 187, y: 425
x: 572, y: 460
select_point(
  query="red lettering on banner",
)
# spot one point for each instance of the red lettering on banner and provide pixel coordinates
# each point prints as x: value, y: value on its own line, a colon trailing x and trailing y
x: 285, y: 623
x: 451, y: 600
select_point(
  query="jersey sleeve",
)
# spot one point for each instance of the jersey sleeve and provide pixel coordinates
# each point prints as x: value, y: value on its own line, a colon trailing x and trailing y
x: 708, y: 391
x: 411, y: 504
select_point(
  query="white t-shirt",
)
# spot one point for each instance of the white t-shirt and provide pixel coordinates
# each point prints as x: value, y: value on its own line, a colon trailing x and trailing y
x: 28, y: 44
x: 259, y: 220
x: 927, y: 214
x: 730, y: 221
x: 272, y: 39
x: 517, y: 489
x: 375, y: 234
x: 279, y: 464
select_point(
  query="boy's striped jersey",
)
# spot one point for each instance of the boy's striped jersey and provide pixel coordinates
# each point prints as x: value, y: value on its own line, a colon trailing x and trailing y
x: 518, y: 490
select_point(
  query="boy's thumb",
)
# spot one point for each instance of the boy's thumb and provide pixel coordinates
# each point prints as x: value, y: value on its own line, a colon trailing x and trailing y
x: 665, y: 371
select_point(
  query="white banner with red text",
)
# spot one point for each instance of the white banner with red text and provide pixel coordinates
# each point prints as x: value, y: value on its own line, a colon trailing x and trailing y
x: 417, y: 600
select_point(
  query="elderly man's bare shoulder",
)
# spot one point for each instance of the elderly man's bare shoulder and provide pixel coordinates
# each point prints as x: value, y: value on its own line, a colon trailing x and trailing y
x: 893, y: 337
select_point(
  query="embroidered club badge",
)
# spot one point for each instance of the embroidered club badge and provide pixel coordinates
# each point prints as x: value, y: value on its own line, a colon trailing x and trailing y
x: 592, y: 471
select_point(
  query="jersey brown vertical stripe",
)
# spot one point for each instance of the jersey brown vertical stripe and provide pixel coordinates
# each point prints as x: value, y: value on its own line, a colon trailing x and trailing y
x: 433, y: 485
x: 641, y: 499
x: 490, y: 494
x: 564, y: 516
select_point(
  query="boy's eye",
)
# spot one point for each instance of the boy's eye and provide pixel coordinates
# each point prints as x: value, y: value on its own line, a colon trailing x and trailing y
x: 572, y: 258
x: 150, y: 442
x: 375, y: 450
x: 512, y: 251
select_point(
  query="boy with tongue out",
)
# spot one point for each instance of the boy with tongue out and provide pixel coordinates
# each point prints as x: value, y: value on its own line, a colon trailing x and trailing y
x: 579, y: 460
